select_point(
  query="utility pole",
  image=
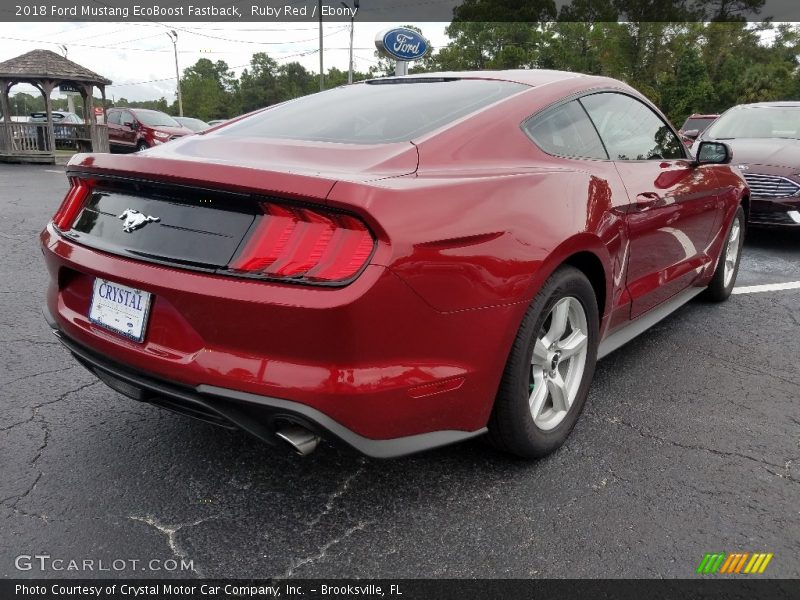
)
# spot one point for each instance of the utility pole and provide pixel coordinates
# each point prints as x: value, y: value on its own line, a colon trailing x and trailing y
x: 352, y: 22
x: 173, y: 36
x: 321, y: 72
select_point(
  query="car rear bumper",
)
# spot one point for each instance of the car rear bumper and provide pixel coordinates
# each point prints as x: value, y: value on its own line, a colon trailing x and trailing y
x: 260, y: 416
x: 371, y: 363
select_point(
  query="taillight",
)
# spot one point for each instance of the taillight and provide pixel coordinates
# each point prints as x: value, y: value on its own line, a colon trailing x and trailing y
x: 73, y: 203
x: 300, y: 243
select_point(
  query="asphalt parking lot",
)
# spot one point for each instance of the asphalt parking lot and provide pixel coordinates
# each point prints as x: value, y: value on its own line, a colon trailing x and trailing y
x: 690, y: 443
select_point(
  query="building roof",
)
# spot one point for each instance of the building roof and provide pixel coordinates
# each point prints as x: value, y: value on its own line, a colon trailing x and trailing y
x: 46, y: 64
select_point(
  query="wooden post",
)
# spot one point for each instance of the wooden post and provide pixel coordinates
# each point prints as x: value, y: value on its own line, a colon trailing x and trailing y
x: 47, y: 89
x: 88, y: 105
x: 5, y: 140
x: 6, y: 106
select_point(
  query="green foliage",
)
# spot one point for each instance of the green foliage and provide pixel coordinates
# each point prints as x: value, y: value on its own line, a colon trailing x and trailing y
x: 697, y: 56
x: 684, y: 67
x: 211, y: 91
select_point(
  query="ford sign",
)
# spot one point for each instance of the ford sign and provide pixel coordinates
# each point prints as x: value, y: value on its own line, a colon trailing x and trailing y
x: 402, y: 44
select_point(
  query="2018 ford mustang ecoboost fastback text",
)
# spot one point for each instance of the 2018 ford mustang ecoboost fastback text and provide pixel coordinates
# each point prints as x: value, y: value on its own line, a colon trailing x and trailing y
x: 400, y: 264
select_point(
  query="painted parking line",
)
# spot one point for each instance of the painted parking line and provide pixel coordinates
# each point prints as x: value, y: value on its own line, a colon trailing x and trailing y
x: 769, y: 287
x: 61, y: 172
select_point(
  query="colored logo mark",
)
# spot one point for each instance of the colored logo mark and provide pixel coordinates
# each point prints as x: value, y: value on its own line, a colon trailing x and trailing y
x: 737, y: 562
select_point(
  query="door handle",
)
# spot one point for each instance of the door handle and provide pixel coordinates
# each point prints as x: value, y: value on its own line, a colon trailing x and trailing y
x: 647, y: 200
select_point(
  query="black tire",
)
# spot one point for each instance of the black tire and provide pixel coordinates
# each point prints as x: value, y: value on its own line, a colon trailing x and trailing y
x: 141, y: 146
x: 511, y: 425
x: 717, y: 291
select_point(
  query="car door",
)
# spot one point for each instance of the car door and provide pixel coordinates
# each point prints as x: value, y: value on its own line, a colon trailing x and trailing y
x: 565, y: 132
x: 114, y: 127
x: 127, y: 129
x: 673, y: 204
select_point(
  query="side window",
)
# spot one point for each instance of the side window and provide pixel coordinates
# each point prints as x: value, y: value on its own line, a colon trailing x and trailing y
x: 565, y: 131
x: 113, y: 116
x: 630, y: 129
x: 125, y: 118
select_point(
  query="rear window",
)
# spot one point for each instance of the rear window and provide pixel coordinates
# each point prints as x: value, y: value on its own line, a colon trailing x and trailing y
x: 43, y: 116
x: 697, y: 123
x: 153, y: 118
x: 566, y: 131
x: 378, y: 112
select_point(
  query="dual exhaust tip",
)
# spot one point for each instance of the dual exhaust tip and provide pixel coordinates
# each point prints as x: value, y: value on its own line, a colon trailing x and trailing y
x: 300, y: 439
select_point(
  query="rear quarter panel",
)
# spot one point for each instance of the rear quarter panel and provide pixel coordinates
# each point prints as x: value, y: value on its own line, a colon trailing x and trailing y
x: 488, y: 216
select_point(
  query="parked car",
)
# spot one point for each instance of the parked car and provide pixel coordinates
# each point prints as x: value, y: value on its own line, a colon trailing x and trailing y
x: 765, y: 138
x: 65, y: 135
x: 400, y: 263
x: 192, y: 123
x: 137, y: 129
x: 694, y: 125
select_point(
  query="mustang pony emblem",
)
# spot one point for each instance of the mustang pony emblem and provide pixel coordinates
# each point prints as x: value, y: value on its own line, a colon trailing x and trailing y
x: 134, y: 219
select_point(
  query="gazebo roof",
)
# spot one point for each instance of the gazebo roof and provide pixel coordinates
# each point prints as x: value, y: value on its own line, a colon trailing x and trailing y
x: 46, y: 64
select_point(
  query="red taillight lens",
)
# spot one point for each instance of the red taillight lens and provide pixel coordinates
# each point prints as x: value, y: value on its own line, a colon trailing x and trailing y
x: 73, y: 203
x: 301, y: 243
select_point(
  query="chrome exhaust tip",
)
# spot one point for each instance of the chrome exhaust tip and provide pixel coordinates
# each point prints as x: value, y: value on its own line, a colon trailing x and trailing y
x: 302, y: 441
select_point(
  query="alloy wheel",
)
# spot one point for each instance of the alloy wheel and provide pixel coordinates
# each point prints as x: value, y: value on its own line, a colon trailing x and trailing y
x: 558, y: 363
x: 732, y: 252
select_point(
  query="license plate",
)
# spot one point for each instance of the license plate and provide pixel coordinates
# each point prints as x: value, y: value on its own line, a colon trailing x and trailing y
x: 120, y: 308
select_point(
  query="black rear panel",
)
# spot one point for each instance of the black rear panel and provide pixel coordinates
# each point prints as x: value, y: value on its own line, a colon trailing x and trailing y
x: 195, y: 228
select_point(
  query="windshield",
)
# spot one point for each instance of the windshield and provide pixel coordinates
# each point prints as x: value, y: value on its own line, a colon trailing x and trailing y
x: 193, y: 124
x: 378, y: 112
x: 697, y: 123
x: 758, y: 122
x: 153, y: 118
x: 57, y: 116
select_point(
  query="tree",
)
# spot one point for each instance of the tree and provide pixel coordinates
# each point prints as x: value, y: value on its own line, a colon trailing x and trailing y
x: 258, y: 85
x: 210, y: 90
x: 688, y: 89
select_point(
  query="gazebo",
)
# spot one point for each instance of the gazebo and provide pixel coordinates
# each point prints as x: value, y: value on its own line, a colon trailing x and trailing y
x: 36, y: 142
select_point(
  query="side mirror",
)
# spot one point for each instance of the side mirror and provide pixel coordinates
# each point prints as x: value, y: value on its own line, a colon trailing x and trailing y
x: 713, y: 153
x: 691, y: 133
x: 133, y: 125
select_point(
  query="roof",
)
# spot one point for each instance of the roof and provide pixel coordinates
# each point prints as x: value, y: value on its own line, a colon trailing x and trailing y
x: 775, y: 104
x: 46, y: 64
x: 525, y: 76
x: 136, y: 110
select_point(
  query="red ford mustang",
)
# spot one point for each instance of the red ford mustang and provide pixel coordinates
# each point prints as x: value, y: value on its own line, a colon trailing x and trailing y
x: 400, y: 264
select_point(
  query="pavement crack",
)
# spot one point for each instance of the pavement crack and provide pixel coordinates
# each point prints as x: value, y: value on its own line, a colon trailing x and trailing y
x: 17, y: 498
x: 336, y: 494
x: 652, y: 436
x: 786, y: 474
x: 171, y: 531
x: 37, y: 374
x: 31, y: 341
x: 35, y: 408
x: 323, y: 550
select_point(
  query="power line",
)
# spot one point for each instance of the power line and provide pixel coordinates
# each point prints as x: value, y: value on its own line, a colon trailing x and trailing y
x: 304, y: 53
x: 214, y: 37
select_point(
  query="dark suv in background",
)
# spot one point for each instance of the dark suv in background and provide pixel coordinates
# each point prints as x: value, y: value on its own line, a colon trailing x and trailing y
x: 135, y: 129
x: 765, y: 138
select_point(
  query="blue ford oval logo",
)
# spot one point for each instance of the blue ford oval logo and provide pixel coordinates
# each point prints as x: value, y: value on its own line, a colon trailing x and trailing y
x: 402, y: 44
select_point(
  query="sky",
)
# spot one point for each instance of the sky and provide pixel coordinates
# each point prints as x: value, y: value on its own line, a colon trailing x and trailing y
x: 139, y: 58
